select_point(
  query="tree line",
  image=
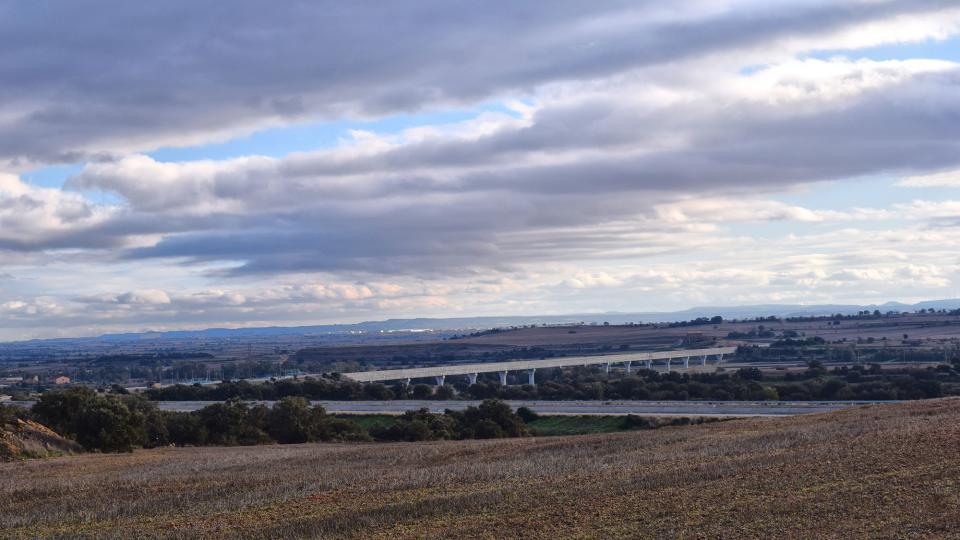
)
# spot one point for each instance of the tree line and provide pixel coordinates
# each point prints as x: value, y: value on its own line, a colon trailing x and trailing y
x: 114, y: 422
x: 814, y: 383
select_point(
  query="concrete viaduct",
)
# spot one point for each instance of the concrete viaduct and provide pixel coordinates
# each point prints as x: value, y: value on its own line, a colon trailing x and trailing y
x: 440, y: 373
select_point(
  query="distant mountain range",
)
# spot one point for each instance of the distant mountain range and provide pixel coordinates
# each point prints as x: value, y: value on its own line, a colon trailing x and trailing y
x: 481, y: 323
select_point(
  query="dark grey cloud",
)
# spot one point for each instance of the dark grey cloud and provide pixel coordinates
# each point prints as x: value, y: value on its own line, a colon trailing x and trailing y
x: 86, y: 79
x: 414, y: 209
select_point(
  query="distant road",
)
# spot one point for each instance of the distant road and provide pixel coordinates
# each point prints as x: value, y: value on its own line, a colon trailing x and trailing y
x: 645, y: 408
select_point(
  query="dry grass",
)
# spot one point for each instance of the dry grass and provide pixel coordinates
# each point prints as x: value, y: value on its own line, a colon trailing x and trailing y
x: 875, y: 472
x: 24, y: 439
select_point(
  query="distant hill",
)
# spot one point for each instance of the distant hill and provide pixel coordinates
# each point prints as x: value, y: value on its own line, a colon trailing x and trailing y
x: 482, y: 323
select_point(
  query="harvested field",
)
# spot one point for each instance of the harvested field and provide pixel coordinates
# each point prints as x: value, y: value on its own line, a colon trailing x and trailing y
x: 874, y: 472
x: 933, y: 328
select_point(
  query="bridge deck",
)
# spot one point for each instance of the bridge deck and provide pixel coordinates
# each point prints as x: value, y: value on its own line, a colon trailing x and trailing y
x: 522, y: 365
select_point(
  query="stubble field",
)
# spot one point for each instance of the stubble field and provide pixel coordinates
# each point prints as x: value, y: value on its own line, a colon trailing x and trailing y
x: 874, y: 472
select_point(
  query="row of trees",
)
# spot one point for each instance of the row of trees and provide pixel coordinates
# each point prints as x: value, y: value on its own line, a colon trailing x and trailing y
x: 815, y: 383
x: 121, y: 422
x: 491, y: 420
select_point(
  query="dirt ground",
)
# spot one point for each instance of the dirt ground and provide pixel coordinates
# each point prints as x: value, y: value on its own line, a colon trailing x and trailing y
x: 874, y: 472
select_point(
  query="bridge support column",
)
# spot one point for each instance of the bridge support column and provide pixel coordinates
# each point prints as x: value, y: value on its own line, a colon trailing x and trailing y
x: 472, y: 377
x: 686, y: 362
x: 668, y: 364
x: 408, y: 381
x: 440, y: 379
x: 627, y: 365
x: 719, y: 358
x: 606, y: 368
x: 530, y: 379
x: 503, y: 378
x: 703, y: 360
x: 649, y: 364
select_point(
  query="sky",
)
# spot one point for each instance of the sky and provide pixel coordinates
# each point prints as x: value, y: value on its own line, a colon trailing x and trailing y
x: 172, y: 165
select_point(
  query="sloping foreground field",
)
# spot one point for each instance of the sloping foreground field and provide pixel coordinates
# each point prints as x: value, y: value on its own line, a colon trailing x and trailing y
x: 874, y: 472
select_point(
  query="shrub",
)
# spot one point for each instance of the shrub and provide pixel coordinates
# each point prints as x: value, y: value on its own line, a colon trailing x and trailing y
x: 527, y: 414
x: 632, y: 421
x: 422, y: 391
x: 475, y: 422
x: 421, y: 425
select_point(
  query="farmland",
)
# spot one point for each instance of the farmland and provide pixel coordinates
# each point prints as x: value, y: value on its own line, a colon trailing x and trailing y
x: 880, y: 471
x: 787, y: 344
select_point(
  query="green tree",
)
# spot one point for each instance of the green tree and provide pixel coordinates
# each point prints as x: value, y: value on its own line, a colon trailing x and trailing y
x: 154, y: 420
x: 475, y: 422
x: 422, y: 391
x: 185, y: 429
x: 231, y: 423
x: 95, y: 421
x: 292, y: 421
x: 445, y: 392
x: 527, y: 414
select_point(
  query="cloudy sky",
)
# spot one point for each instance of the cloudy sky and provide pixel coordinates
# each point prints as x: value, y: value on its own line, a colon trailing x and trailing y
x: 183, y: 164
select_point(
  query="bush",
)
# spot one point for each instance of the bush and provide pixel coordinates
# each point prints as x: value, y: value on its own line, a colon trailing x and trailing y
x: 445, y: 392
x: 292, y: 420
x: 422, y: 391
x: 9, y: 414
x: 493, y: 419
x: 632, y: 421
x: 487, y: 429
x: 527, y: 414
x: 420, y: 425
x: 479, y: 422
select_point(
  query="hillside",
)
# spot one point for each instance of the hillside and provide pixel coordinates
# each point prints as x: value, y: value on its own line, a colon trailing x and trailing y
x: 924, y: 330
x: 26, y: 439
x: 878, y: 472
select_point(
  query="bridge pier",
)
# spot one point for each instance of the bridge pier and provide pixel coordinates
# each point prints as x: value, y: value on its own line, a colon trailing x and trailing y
x: 686, y: 362
x: 668, y: 364
x: 473, y: 378
x: 719, y: 358
x: 530, y: 379
x: 649, y: 364
x: 408, y: 381
x: 503, y: 378
x: 627, y: 365
x: 703, y: 360
x: 440, y: 379
x: 606, y: 368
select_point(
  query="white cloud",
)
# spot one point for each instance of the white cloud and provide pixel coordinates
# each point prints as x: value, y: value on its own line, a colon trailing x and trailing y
x: 940, y: 179
x: 641, y: 144
x: 465, y: 196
